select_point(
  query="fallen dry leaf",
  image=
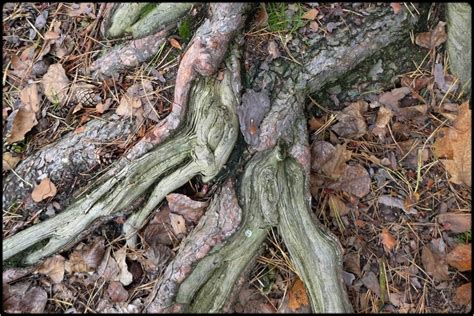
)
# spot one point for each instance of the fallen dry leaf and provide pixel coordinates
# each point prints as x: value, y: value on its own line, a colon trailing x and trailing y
x: 30, y: 98
x: 396, y: 7
x: 175, y: 43
x: 434, y: 264
x: 388, y: 241
x: 391, y: 201
x: 55, y: 84
x: 102, y: 107
x: 314, y: 26
x: 329, y: 159
x: 315, y: 123
x: 86, y: 258
x: 23, y: 121
x: 460, y: 257
x: 273, y: 50
x: 261, y: 18
x: 352, y: 263
x: 158, y: 231
x: 392, y: 98
x: 181, y: 204
x: 463, y: 294
x: 337, y: 207
x: 433, y: 38
x: 108, y: 268
x: 371, y: 282
x: 178, y: 224
x: 351, y: 123
x: 44, y: 190
x: 455, y: 222
x: 384, y: 116
x: 140, y: 93
x: 9, y: 161
x: 117, y: 292
x: 355, y: 180
x: 455, y: 146
x: 416, y: 84
x: 25, y: 300
x: 297, y: 297
x: 53, y: 267
x: 78, y: 9
x: 125, y: 277
x: 310, y: 14
x: 22, y: 64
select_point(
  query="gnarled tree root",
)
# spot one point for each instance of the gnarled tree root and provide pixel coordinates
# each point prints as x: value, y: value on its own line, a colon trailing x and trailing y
x: 202, y: 147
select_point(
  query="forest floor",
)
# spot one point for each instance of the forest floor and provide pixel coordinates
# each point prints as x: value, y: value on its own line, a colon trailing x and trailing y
x: 391, y: 167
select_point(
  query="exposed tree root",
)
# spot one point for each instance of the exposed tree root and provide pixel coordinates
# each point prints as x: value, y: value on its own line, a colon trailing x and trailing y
x: 273, y: 191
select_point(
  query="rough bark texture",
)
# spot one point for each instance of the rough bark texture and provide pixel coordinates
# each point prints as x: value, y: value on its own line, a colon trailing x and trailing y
x: 203, y: 56
x: 129, y: 56
x: 218, y: 224
x: 162, y: 15
x: 62, y: 161
x: 202, y: 147
x: 460, y: 42
x: 274, y: 188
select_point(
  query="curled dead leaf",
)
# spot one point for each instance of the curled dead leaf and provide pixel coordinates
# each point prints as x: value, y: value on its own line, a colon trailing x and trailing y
x: 337, y: 206
x: 461, y: 257
x: 329, y: 159
x: 434, y: 38
x: 178, y: 224
x: 181, y: 204
x: 30, y: 98
x: 22, y: 64
x: 44, y: 190
x: 117, y: 292
x: 55, y: 84
x: 463, y: 294
x: 23, y: 121
x: 86, y: 258
x: 388, y: 241
x: 125, y: 277
x: 53, y: 267
x: 455, y: 146
x: 297, y: 297
x: 351, y: 122
x: 434, y: 264
x: 9, y: 161
x: 310, y: 14
x: 455, y: 222
x: 371, y: 282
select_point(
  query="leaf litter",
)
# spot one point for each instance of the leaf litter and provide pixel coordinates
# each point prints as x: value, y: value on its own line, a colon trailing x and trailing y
x: 343, y: 182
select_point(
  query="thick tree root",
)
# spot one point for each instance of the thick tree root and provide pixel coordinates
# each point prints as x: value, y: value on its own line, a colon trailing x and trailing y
x: 75, y: 153
x: 202, y: 147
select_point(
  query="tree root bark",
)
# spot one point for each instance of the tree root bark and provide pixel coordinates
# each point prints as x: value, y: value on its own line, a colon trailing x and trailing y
x: 202, y: 147
x: 274, y: 190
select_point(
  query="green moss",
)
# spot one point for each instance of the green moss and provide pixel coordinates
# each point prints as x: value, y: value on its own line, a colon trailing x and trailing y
x: 184, y: 30
x: 280, y: 21
x: 465, y: 237
x: 147, y: 9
